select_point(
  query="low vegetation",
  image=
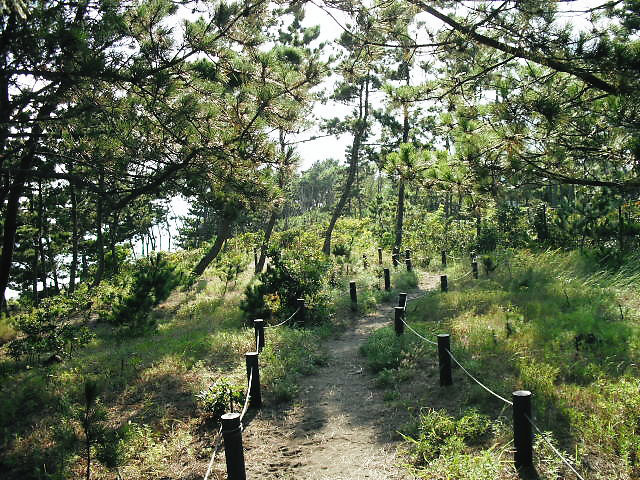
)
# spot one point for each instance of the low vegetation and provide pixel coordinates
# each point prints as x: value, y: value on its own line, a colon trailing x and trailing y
x: 562, y: 325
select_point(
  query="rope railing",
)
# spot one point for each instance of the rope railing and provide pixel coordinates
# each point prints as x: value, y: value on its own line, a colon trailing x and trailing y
x: 284, y: 321
x: 554, y: 449
x: 517, y: 395
x: 417, y: 334
x: 462, y: 276
x: 478, y: 381
x: 247, y: 397
x: 217, y: 443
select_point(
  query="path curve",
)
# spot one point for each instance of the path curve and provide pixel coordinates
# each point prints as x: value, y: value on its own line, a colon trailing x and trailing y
x: 339, y: 426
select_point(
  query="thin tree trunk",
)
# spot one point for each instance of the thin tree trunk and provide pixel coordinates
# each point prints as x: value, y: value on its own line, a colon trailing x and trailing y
x: 212, y: 253
x: 73, y: 269
x: 265, y: 244
x: 99, y: 233
x: 400, y: 214
x: 353, y: 166
x: 40, y: 245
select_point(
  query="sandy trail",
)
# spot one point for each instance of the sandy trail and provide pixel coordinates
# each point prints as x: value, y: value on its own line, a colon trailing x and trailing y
x: 339, y: 427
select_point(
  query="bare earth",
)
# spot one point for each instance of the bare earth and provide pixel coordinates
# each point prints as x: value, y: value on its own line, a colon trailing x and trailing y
x: 339, y: 426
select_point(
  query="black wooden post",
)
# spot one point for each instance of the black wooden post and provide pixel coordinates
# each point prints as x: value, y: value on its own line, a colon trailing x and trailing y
x: 394, y: 256
x: 474, y: 269
x: 232, y: 435
x: 444, y: 259
x: 365, y: 264
x: 302, y: 313
x: 444, y: 284
x: 253, y: 373
x: 407, y: 254
x: 258, y: 327
x: 408, y: 262
x: 387, y: 280
x: 379, y: 256
x: 444, y: 359
x: 399, y: 316
x: 402, y: 300
x: 354, y: 295
x: 522, y: 430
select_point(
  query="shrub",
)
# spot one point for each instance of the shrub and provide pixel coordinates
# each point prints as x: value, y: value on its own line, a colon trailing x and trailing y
x: 297, y: 272
x: 153, y: 279
x: 48, y: 329
x: 440, y: 434
x: 219, y: 398
x: 385, y: 350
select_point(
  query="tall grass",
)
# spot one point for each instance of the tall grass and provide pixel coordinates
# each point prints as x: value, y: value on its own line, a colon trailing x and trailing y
x: 565, y: 328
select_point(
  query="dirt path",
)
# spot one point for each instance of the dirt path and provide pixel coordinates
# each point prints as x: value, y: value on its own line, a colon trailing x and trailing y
x: 339, y: 427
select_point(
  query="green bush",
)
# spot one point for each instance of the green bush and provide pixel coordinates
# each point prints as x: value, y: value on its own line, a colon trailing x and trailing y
x: 404, y: 280
x: 153, y: 279
x: 299, y: 271
x: 386, y: 350
x: 219, y: 398
x: 49, y: 329
x: 441, y: 434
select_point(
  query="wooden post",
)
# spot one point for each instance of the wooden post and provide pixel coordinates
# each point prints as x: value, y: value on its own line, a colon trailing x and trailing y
x: 444, y: 259
x: 354, y: 295
x: 258, y: 327
x: 387, y: 280
x: 444, y: 359
x: 444, y: 284
x: 408, y: 262
x: 379, y: 256
x: 474, y: 268
x: 253, y: 373
x: 407, y: 254
x: 302, y: 314
x: 232, y: 435
x: 522, y: 430
x: 365, y: 264
x: 402, y: 300
x: 398, y: 325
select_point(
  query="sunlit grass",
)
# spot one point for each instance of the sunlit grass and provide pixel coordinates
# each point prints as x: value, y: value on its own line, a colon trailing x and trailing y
x: 560, y: 326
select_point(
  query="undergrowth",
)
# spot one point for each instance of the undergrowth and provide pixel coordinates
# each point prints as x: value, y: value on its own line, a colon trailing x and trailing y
x: 557, y: 324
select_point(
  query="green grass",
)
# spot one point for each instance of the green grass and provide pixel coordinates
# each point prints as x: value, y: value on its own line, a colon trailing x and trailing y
x: 149, y: 388
x: 517, y: 329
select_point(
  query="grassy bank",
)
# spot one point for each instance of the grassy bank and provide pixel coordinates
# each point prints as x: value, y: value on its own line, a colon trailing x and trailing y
x: 553, y: 323
x: 148, y: 390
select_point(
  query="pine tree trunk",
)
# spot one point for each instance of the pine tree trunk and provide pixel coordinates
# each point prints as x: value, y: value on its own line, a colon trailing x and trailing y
x: 40, y: 245
x: 73, y: 268
x: 400, y: 214
x: 265, y: 244
x: 99, y: 233
x: 212, y: 253
x: 353, y: 166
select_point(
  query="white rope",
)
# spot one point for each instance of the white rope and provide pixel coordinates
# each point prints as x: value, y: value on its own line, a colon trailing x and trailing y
x: 416, y: 333
x: 284, y: 321
x: 478, y: 381
x: 463, y: 276
x: 215, y: 451
x: 555, y: 450
x: 246, y: 400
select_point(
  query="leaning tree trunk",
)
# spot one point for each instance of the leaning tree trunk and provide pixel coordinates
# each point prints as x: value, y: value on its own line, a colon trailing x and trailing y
x: 267, y: 236
x: 353, y: 166
x: 212, y: 253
